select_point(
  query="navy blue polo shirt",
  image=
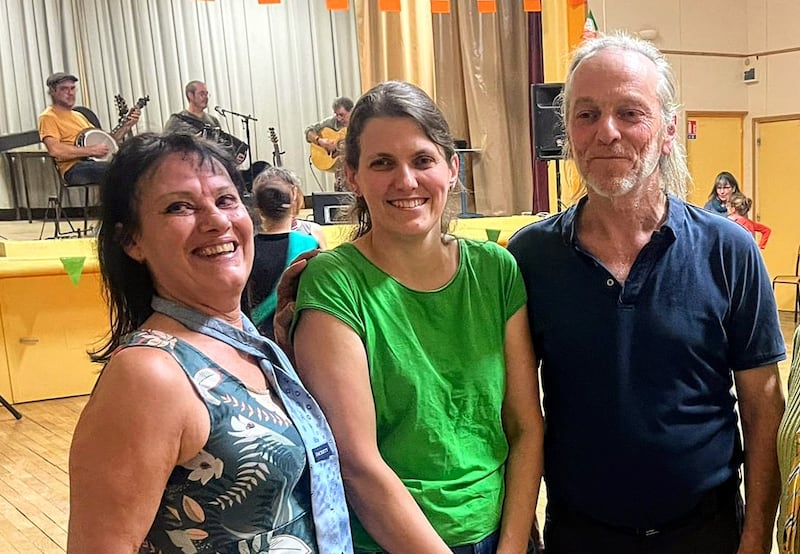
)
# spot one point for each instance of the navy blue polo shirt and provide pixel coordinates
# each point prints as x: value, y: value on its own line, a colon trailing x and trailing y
x: 637, y: 377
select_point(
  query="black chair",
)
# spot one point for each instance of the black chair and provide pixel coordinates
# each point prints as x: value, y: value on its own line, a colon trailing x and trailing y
x: 791, y: 280
x: 57, y: 203
x: 89, y: 114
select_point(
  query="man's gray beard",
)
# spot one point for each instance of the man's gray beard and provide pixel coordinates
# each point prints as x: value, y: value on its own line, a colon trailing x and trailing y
x: 623, y: 185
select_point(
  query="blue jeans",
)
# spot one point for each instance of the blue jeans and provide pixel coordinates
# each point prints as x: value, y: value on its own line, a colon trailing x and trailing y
x: 86, y: 172
x: 486, y: 546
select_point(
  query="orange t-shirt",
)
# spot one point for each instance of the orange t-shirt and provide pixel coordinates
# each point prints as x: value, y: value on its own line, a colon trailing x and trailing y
x: 65, y: 126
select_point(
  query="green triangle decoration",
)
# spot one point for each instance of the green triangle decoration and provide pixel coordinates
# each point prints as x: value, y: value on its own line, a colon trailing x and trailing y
x: 74, y: 267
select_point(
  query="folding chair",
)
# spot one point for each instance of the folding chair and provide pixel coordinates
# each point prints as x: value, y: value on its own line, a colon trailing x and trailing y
x: 57, y: 203
x: 791, y: 280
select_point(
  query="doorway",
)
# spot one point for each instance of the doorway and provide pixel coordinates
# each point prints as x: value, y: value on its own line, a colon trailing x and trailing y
x: 777, y: 195
x: 716, y: 146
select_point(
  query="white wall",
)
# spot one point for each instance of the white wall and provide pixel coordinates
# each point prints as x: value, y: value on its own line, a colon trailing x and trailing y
x: 715, y: 83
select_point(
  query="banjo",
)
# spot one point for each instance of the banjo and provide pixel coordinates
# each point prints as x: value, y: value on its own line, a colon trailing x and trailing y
x: 92, y: 136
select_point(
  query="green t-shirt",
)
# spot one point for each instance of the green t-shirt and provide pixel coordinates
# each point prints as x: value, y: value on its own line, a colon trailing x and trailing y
x: 437, y: 369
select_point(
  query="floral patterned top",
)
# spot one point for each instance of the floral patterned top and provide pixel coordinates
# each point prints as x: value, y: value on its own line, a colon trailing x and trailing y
x: 247, y: 490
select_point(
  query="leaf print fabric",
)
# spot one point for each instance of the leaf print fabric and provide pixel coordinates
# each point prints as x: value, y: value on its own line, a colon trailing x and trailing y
x: 248, y: 489
x: 204, y: 466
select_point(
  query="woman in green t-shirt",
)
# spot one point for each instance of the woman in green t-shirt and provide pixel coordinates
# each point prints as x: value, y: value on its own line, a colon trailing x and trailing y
x: 416, y: 345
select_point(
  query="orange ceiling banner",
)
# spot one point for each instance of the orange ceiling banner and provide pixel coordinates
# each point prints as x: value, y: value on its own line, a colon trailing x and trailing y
x: 532, y: 5
x: 334, y: 5
x: 487, y: 6
x: 389, y: 5
x: 440, y: 6
x: 269, y: 1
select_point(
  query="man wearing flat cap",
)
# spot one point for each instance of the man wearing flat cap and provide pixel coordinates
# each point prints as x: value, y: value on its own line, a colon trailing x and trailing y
x: 59, y: 127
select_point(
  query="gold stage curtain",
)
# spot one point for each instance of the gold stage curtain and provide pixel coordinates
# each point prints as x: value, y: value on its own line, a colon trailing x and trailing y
x: 482, y: 86
x: 480, y: 81
x: 395, y: 45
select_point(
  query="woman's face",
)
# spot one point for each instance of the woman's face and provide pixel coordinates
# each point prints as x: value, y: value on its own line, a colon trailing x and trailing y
x: 195, y: 235
x: 403, y: 176
x: 724, y: 190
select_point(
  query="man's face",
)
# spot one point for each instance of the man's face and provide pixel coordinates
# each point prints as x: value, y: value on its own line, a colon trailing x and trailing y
x: 342, y: 116
x: 63, y: 94
x: 614, y: 122
x: 199, y: 98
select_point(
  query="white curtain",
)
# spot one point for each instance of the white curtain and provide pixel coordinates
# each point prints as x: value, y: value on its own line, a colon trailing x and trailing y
x: 280, y: 63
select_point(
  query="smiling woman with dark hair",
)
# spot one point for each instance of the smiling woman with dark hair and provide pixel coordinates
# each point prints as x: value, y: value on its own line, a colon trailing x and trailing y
x: 198, y: 436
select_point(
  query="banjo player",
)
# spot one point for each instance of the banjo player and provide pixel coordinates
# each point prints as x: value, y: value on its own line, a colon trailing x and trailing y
x: 60, y: 127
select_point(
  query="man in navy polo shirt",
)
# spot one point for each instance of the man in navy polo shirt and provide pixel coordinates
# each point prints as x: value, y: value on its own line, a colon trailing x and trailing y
x: 645, y: 313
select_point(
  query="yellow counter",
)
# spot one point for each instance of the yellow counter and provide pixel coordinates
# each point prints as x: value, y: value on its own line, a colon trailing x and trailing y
x: 48, y: 322
x: 472, y: 228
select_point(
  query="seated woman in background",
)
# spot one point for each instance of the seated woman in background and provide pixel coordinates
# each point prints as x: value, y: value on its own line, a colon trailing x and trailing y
x: 276, y: 245
x: 724, y: 185
x: 789, y: 459
x: 417, y: 346
x: 738, y: 207
x: 198, y: 437
x: 304, y: 225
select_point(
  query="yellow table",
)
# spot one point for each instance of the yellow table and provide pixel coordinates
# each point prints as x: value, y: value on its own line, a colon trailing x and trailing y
x: 47, y: 322
x: 472, y: 228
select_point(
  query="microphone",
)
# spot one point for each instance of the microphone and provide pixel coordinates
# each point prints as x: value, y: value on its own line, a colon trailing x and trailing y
x: 220, y: 111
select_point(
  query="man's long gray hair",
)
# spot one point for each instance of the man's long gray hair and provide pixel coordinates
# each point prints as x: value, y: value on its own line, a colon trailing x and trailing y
x: 675, y: 177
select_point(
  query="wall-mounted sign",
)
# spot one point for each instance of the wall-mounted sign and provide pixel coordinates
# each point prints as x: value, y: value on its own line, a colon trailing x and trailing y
x: 691, y: 129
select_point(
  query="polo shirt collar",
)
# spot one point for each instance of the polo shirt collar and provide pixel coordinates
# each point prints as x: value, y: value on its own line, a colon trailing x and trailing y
x: 676, y: 217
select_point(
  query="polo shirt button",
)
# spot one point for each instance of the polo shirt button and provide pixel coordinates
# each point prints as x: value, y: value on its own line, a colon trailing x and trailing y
x: 610, y: 282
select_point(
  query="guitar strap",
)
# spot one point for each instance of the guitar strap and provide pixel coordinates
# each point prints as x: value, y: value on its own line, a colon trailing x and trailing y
x: 193, y: 121
x: 229, y: 141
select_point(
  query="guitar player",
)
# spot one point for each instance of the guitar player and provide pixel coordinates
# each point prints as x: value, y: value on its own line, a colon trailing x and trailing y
x: 326, y: 135
x: 194, y: 119
x: 60, y: 125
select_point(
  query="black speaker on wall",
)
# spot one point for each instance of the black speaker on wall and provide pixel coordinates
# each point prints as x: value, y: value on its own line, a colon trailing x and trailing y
x: 548, y: 127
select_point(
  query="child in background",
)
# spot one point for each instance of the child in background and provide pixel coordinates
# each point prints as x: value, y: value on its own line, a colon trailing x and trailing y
x: 738, y: 207
x: 276, y: 245
x: 303, y: 225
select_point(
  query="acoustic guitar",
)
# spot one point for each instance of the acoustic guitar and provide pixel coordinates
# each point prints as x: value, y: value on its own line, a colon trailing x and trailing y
x: 321, y: 158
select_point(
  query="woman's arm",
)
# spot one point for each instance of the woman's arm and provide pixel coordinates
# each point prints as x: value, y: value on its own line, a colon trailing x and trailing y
x: 332, y: 363
x: 524, y: 427
x: 139, y: 423
x: 319, y: 234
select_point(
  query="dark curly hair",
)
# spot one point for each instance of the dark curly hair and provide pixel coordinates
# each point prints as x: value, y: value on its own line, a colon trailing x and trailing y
x: 127, y: 284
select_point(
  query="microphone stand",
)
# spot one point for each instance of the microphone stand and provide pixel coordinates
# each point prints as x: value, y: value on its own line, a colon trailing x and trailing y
x: 246, y: 119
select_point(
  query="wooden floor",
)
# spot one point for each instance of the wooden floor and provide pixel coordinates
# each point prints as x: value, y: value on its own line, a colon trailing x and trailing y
x: 22, y: 230
x: 34, y: 484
